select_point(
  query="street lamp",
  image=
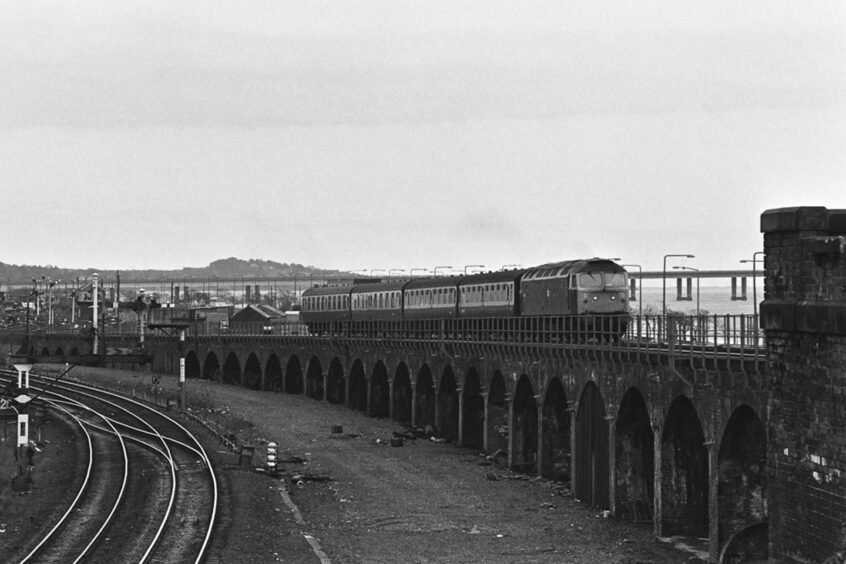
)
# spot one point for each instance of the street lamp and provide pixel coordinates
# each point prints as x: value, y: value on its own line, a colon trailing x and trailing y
x: 391, y: 272
x: 372, y: 270
x: 664, y: 282
x: 436, y: 270
x: 696, y: 270
x: 754, y: 260
x: 507, y: 266
x: 472, y: 266
x: 639, y: 287
x: 411, y: 275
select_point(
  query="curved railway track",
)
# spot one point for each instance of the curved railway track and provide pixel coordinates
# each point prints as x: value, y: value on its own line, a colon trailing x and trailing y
x: 147, y: 492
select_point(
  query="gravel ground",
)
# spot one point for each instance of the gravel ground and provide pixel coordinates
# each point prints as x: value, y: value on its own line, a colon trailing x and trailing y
x: 357, y: 499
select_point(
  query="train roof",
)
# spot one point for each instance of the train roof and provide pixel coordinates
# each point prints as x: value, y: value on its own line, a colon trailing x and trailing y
x: 488, y: 277
x: 328, y: 290
x: 379, y: 287
x: 567, y: 267
x: 442, y: 282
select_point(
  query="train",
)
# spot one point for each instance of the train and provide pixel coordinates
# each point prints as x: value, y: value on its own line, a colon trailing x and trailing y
x: 568, y: 300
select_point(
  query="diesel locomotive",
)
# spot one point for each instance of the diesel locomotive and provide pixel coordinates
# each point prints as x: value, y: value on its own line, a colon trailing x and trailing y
x: 565, y: 301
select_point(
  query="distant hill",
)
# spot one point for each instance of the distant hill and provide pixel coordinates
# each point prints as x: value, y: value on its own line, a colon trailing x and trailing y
x: 224, y: 268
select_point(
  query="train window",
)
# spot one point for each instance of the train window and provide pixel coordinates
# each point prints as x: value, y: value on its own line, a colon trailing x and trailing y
x: 590, y: 281
x: 615, y: 280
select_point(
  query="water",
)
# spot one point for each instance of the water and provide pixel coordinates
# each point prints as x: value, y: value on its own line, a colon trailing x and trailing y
x: 712, y: 300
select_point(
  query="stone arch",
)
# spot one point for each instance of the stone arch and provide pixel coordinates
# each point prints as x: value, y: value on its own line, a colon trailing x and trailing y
x: 273, y: 374
x: 192, y: 366
x: 336, y: 385
x: 252, y: 372
x: 293, y: 376
x: 497, y: 415
x: 684, y: 472
x: 59, y: 351
x: 742, y: 482
x: 314, y: 379
x: 634, y: 468
x: 380, y: 391
x: 358, y: 387
x: 525, y: 456
x: 473, y: 416
x: 45, y: 351
x: 448, y: 406
x: 402, y: 395
x: 555, y: 463
x: 74, y: 351
x: 231, y: 370
x: 425, y: 398
x: 211, y: 368
x: 592, y: 448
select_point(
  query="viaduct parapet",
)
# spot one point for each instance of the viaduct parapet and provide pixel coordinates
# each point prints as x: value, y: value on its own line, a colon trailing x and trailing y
x: 804, y: 319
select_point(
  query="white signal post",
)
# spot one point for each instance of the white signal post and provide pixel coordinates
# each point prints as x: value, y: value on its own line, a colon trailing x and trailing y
x: 95, y: 291
x: 22, y: 399
x: 182, y: 368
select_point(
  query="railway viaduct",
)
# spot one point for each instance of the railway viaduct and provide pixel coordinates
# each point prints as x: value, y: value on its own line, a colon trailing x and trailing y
x: 744, y: 445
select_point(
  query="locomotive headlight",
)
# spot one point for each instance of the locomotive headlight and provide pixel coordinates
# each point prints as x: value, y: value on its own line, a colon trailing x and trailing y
x: 595, y: 298
x: 613, y: 297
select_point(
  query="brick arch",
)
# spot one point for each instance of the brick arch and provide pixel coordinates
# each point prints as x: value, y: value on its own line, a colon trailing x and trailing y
x: 336, y: 389
x: 314, y: 379
x: 525, y: 427
x: 273, y: 381
x: 192, y: 365
x: 634, y: 460
x: 742, y: 482
x: 555, y: 463
x: 252, y: 373
x: 448, y: 406
x: 231, y: 370
x: 211, y: 367
x: 293, y: 376
x: 380, y: 391
x: 473, y: 415
x: 357, y: 400
x: 591, y: 471
x: 497, y: 414
x: 684, y: 472
x: 402, y: 394
x: 424, y: 407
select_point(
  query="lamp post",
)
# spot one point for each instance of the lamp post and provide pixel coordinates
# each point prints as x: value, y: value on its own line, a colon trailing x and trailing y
x: 754, y: 260
x: 411, y: 273
x: 696, y: 270
x: 472, y: 266
x: 391, y: 272
x: 507, y: 266
x: 372, y: 270
x: 436, y: 270
x: 639, y: 287
x: 664, y: 282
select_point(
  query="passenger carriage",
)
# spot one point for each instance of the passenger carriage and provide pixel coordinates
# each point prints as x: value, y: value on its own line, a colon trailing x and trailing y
x: 325, y: 310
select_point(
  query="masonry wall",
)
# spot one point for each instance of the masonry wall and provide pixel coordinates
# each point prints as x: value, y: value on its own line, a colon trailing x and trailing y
x: 804, y: 317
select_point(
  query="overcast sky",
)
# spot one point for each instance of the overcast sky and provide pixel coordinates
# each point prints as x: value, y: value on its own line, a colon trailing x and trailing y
x: 396, y: 135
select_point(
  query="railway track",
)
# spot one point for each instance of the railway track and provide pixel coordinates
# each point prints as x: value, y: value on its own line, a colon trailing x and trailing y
x: 145, y: 489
